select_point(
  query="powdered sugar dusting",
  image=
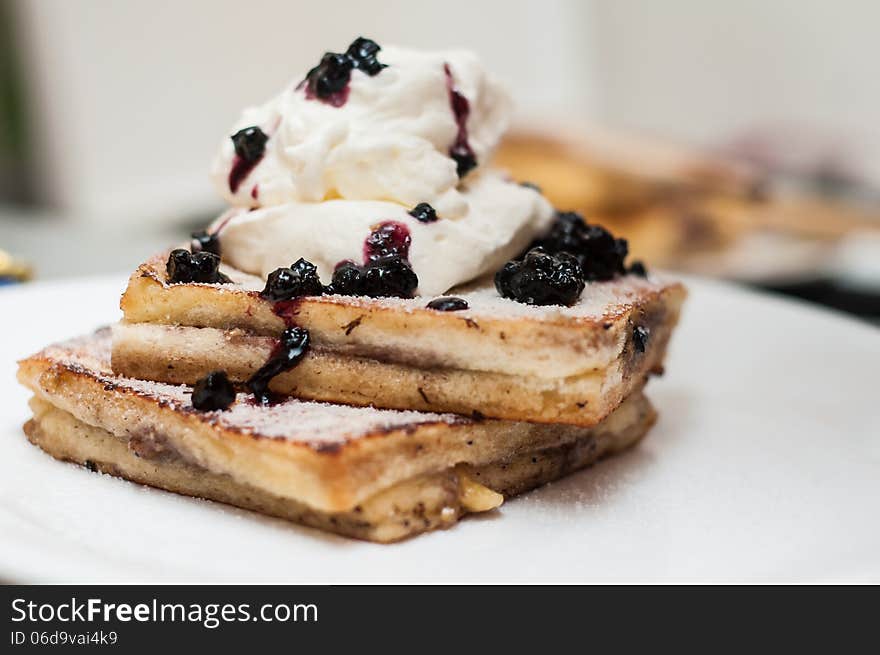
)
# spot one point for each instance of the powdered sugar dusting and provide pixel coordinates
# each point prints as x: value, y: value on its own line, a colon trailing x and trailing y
x: 598, y: 301
x: 320, y: 425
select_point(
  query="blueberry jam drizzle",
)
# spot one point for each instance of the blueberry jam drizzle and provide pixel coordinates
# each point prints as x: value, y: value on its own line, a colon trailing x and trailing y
x: 287, y: 310
x: 460, y: 150
x: 387, y: 238
x: 329, y: 80
x: 250, y: 146
x: 288, y: 352
x: 448, y: 304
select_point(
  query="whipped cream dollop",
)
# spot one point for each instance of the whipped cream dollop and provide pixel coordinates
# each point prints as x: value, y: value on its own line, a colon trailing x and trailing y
x: 502, y: 219
x: 420, y: 129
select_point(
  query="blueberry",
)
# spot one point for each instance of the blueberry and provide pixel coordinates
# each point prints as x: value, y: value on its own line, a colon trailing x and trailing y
x: 329, y: 79
x: 464, y: 157
x: 362, y: 53
x: 179, y: 267
x: 281, y: 284
x: 308, y: 273
x: 541, y: 279
x: 291, y: 348
x: 389, y: 277
x: 346, y: 280
x: 424, y: 213
x: 300, y: 279
x: 640, y: 338
x: 250, y: 143
x: 637, y: 268
x: 213, y: 392
x: 330, y: 76
x: 448, y: 304
x: 206, y: 266
x: 204, y: 242
x: 600, y: 255
x: 385, y: 277
x: 184, y: 266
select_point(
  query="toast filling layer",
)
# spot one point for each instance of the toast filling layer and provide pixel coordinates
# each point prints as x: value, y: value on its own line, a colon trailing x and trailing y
x: 183, y: 355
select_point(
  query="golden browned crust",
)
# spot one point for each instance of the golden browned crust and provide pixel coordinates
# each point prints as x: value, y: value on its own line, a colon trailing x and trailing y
x: 183, y: 355
x: 427, y: 502
x: 330, y: 476
x: 546, y: 365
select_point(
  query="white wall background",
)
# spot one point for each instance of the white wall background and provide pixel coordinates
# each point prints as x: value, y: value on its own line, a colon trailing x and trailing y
x: 703, y: 70
x: 132, y: 98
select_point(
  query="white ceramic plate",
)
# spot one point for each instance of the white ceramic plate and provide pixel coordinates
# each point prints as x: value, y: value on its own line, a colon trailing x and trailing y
x: 764, y: 466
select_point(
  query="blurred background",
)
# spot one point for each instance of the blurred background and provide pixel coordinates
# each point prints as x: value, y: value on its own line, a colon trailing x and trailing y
x: 738, y: 140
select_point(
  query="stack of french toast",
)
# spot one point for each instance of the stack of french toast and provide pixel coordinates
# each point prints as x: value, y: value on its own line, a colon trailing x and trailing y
x: 348, y: 396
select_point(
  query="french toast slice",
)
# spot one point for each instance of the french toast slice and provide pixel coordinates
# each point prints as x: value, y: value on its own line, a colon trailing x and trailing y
x: 498, y: 358
x: 374, y: 474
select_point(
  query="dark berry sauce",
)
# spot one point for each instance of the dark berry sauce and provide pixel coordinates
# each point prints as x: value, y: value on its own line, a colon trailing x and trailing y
x: 287, y: 310
x: 460, y: 150
x: 448, y: 304
x: 239, y: 171
x: 387, y: 238
x: 287, y: 353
